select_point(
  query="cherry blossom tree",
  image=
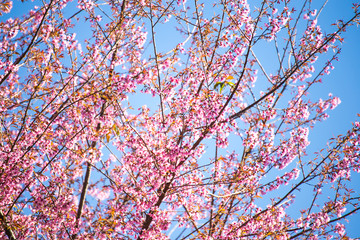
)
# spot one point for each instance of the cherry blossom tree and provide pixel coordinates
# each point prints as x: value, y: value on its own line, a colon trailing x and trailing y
x: 124, y: 119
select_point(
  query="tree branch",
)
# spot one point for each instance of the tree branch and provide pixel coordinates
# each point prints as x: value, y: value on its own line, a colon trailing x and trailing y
x: 7, y: 229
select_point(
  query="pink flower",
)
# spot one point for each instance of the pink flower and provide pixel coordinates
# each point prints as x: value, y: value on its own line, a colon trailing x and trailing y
x: 335, y: 101
x: 340, y: 229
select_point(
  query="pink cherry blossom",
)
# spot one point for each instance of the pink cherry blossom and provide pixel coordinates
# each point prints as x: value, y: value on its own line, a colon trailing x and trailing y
x: 171, y: 119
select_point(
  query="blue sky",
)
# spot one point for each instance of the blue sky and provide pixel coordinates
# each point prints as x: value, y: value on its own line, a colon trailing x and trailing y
x: 343, y: 82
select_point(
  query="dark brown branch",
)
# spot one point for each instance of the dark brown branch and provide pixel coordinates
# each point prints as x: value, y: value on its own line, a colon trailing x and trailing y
x: 7, y: 229
x: 87, y: 175
x: 93, y: 144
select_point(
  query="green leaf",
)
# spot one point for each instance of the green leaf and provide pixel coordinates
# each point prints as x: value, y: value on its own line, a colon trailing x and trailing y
x: 222, y: 85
